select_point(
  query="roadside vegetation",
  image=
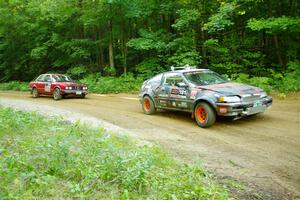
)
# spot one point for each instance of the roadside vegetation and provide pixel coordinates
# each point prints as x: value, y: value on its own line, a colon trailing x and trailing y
x: 114, y: 45
x: 43, y: 158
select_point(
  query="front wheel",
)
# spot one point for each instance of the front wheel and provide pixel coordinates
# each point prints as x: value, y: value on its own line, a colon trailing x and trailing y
x: 204, y: 114
x: 34, y: 93
x: 56, y: 94
x: 148, y: 105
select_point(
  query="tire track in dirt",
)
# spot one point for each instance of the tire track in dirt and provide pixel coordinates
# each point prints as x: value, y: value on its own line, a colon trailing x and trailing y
x: 263, y: 151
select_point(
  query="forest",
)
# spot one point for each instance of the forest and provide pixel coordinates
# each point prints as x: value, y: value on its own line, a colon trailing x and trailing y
x: 253, y: 41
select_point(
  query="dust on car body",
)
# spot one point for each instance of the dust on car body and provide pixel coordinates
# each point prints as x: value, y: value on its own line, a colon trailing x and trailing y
x: 203, y: 93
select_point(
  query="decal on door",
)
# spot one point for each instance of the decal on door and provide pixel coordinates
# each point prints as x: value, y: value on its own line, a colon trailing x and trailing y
x: 48, y: 87
x: 178, y: 93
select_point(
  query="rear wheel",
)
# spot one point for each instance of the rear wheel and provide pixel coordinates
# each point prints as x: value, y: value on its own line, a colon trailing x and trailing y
x: 204, y: 115
x: 56, y: 94
x: 34, y: 93
x: 148, y: 105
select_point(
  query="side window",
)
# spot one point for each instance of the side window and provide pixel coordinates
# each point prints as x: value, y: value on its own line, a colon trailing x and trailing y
x: 40, y: 78
x: 173, y: 79
x: 156, y: 79
x: 47, y: 78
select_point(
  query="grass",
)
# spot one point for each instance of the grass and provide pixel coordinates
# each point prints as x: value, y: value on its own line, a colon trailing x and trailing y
x: 43, y: 158
x: 14, y: 85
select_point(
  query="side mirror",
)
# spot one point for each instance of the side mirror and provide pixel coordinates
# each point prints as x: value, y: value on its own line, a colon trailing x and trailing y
x: 181, y: 84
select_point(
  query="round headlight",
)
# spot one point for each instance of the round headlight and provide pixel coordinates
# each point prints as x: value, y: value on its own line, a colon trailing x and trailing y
x: 230, y: 99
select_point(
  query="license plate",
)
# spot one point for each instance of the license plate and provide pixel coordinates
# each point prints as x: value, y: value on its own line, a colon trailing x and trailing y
x: 78, y: 93
x: 254, y: 110
x: 257, y: 103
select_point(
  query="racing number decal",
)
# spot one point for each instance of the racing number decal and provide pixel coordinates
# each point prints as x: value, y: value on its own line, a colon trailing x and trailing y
x: 47, y: 87
x: 178, y: 93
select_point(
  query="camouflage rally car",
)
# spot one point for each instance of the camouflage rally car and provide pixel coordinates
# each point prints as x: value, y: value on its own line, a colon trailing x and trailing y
x: 202, y: 92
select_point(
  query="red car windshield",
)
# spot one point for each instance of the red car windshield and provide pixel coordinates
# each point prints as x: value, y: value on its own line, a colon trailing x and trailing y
x: 62, y: 78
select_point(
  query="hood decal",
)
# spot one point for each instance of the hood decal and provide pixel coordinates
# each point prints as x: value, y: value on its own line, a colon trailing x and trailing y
x: 232, y: 88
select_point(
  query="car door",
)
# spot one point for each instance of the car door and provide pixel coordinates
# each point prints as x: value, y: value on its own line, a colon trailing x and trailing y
x: 47, y: 84
x: 40, y: 84
x: 173, y: 92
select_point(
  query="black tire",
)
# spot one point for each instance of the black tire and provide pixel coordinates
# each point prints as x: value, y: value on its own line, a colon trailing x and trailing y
x: 148, y: 106
x: 56, y: 94
x: 205, y: 115
x: 82, y: 96
x: 34, y: 93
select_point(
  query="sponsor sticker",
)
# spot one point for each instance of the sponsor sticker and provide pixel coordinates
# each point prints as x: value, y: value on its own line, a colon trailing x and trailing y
x: 193, y: 94
x: 48, y: 87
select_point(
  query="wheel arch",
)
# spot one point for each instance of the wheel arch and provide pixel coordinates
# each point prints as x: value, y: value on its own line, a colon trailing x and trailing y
x: 208, y: 101
x: 150, y: 96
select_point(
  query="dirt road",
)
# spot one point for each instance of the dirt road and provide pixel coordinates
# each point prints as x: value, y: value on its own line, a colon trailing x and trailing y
x: 262, y: 152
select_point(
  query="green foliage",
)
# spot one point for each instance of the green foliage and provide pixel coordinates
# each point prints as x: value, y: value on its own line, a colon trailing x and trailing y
x: 261, y: 82
x: 51, y: 159
x: 14, y: 85
x: 291, y: 80
x: 109, y: 71
x: 126, y: 83
x: 275, y: 25
x: 149, y: 41
x: 77, y: 72
x: 148, y: 67
x: 253, y: 37
x: 186, y: 18
x: 222, y: 19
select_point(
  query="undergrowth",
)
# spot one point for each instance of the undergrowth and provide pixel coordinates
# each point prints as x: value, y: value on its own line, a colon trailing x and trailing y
x: 45, y: 158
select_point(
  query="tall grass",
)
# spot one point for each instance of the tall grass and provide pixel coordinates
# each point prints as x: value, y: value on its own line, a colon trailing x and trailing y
x: 14, y: 85
x: 44, y: 158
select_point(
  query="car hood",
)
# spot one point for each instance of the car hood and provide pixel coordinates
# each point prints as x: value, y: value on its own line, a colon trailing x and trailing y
x: 71, y: 84
x: 232, y: 88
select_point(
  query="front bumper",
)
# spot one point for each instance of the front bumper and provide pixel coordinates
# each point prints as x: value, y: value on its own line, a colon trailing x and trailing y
x: 74, y: 92
x: 244, y: 108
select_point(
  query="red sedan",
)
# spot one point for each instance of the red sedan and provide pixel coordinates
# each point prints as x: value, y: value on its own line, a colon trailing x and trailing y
x: 56, y: 85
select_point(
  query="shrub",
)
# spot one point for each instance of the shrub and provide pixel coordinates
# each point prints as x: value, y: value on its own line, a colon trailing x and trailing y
x: 14, y: 85
x: 50, y: 159
x: 125, y: 83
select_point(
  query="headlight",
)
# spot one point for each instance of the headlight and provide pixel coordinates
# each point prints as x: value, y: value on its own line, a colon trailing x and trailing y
x: 84, y: 88
x: 230, y: 99
x: 68, y: 88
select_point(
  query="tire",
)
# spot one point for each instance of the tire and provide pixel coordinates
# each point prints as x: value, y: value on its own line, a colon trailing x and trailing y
x: 82, y: 96
x: 34, y: 93
x: 56, y: 94
x: 204, y: 114
x: 148, y: 106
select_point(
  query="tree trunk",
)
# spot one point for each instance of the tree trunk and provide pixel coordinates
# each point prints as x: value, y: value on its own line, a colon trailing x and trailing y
x: 278, y: 50
x: 110, y: 46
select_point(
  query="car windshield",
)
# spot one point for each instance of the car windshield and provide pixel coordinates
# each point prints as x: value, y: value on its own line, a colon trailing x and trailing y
x: 62, y: 78
x: 204, y: 78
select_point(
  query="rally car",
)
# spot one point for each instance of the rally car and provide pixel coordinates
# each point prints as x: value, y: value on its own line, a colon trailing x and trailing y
x: 57, y: 85
x: 203, y: 93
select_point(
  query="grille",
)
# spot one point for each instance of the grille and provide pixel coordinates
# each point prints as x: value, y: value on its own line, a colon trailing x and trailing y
x: 250, y: 98
x: 76, y: 88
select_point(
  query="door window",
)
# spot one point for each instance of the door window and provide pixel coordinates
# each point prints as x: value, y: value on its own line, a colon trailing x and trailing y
x: 40, y: 78
x: 173, y: 80
x: 47, y: 78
